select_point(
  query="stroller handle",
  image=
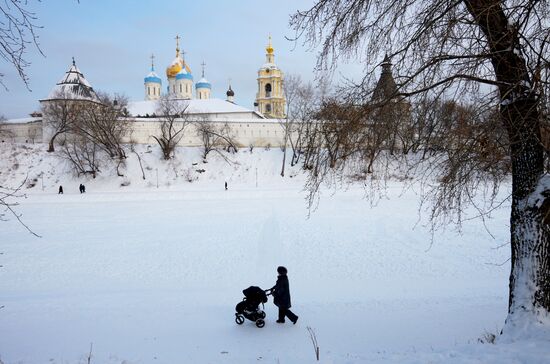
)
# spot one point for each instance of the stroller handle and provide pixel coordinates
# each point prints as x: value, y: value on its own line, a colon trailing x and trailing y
x: 268, y: 292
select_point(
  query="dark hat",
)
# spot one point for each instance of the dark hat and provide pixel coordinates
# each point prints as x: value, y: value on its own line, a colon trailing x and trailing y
x: 281, y: 270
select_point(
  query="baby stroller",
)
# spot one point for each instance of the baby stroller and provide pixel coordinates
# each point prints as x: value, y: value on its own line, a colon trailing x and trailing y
x: 249, y: 307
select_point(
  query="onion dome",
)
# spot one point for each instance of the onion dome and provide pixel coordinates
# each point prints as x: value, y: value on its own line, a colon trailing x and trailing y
x: 178, y: 63
x: 269, y: 57
x: 152, y: 77
x: 184, y: 75
x: 174, y: 68
x: 230, y: 92
x: 203, y: 83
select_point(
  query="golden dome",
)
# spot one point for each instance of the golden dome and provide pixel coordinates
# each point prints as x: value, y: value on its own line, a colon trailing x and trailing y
x: 172, y: 70
x: 269, y: 49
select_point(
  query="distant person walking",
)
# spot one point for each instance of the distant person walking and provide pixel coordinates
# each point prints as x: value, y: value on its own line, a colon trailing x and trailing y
x: 82, y: 188
x: 281, y: 297
x: 226, y: 185
x: 60, y: 192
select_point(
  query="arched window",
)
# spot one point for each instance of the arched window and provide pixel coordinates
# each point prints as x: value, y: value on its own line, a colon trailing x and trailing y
x: 268, y: 108
x: 268, y: 90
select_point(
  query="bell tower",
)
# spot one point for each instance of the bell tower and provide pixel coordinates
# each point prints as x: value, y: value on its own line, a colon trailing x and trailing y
x: 270, y: 96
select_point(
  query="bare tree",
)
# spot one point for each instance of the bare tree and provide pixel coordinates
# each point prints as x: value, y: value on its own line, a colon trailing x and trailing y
x: 174, y: 119
x: 17, y: 32
x: 302, y: 111
x: 62, y: 113
x: 215, y: 137
x: 292, y: 83
x: 453, y: 47
x: 94, y: 131
x: 8, y: 203
x: 105, y: 124
x: 4, y: 131
x: 83, y: 155
x: 32, y: 133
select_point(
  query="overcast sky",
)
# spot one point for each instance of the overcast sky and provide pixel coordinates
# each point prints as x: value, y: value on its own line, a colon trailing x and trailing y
x: 112, y: 42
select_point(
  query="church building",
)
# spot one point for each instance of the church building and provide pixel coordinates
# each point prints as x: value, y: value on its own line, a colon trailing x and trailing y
x: 259, y: 127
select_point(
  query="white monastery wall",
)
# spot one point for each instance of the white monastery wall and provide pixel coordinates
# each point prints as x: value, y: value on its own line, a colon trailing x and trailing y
x: 21, y: 132
x: 246, y: 132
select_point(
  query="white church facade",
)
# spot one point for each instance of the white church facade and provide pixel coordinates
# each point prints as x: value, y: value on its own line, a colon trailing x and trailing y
x: 261, y: 127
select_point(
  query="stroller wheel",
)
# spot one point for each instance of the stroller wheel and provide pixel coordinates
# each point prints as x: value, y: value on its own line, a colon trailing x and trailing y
x: 239, y: 319
x: 260, y: 323
x: 262, y: 314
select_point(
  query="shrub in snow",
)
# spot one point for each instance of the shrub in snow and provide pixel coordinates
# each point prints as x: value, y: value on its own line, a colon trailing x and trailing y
x: 189, y: 175
x: 32, y: 182
x: 487, y: 338
x: 125, y: 182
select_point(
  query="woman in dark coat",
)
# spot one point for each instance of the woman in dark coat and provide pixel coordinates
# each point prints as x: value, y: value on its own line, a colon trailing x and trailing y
x: 281, y: 297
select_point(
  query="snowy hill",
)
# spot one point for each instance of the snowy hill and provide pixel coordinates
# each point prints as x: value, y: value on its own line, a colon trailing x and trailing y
x: 187, y: 171
x: 152, y: 275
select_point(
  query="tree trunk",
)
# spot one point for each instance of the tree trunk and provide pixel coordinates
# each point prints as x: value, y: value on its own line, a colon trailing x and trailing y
x: 284, y: 161
x: 529, y: 225
x: 520, y: 113
x: 52, y: 142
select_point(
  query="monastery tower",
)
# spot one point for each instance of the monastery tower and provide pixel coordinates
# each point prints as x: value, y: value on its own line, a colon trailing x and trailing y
x: 270, y: 97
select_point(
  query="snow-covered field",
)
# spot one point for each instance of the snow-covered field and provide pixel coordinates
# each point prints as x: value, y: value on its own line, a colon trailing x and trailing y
x: 152, y: 275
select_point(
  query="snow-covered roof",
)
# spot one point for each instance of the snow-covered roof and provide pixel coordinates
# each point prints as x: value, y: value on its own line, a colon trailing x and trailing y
x: 22, y: 120
x: 73, y: 85
x: 196, y: 106
x: 176, y: 61
x: 184, y: 74
x: 203, y: 83
x: 271, y: 66
x: 152, y: 77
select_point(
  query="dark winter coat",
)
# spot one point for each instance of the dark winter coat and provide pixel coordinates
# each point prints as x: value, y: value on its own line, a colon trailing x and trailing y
x: 281, y: 292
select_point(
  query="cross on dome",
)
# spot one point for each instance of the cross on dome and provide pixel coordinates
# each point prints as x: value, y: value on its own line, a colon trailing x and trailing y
x: 269, y: 49
x: 177, y: 45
